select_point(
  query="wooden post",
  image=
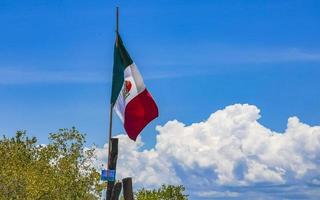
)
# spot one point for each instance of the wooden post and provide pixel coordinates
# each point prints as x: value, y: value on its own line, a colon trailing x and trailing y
x: 112, y: 163
x: 127, y: 188
x: 116, y: 191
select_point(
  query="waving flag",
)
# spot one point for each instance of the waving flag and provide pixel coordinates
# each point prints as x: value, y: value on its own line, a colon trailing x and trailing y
x: 130, y: 99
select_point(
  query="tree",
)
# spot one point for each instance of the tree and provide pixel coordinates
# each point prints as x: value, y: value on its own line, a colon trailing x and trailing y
x: 60, y: 170
x: 165, y: 192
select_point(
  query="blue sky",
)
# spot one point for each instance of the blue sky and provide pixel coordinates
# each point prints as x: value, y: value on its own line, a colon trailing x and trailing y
x: 196, y: 57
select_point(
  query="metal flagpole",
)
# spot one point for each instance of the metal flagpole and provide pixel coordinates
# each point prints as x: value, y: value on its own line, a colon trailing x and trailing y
x: 113, y: 143
x: 110, y: 127
x: 111, y: 105
x: 117, y: 21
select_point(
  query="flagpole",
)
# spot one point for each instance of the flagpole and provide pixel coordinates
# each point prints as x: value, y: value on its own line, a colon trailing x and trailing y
x: 110, y: 127
x: 111, y: 105
x: 112, y: 151
x: 117, y: 19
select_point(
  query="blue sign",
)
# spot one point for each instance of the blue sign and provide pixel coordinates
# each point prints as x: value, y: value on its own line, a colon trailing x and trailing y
x: 108, y: 175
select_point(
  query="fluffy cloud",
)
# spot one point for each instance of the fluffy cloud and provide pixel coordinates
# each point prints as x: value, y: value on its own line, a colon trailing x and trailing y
x: 148, y: 167
x: 217, y: 194
x: 230, y: 149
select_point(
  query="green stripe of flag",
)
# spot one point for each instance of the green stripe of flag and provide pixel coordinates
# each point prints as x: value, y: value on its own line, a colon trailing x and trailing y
x: 121, y: 60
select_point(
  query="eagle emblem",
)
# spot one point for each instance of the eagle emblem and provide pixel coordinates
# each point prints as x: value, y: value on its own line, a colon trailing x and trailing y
x: 126, y: 89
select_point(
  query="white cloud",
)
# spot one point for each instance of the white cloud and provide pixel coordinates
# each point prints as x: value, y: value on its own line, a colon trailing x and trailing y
x: 315, y: 181
x: 230, y: 149
x: 217, y: 54
x: 21, y: 76
x: 217, y: 194
x: 148, y: 168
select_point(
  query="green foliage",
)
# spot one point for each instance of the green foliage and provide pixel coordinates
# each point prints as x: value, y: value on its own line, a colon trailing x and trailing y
x: 60, y: 170
x: 165, y: 192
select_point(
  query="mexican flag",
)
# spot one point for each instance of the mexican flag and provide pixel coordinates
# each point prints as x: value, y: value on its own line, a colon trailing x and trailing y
x: 130, y: 99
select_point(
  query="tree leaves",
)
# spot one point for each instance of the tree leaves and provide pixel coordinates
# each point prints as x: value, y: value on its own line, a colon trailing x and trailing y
x: 60, y: 170
x: 165, y: 192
